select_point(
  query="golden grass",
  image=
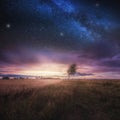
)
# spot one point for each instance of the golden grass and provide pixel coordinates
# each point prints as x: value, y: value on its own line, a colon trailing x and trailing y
x: 61, y: 100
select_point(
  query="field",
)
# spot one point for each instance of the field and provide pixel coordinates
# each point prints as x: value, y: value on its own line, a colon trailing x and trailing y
x: 60, y: 100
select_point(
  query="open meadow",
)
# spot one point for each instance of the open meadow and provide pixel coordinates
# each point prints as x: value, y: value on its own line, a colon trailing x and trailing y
x: 60, y: 100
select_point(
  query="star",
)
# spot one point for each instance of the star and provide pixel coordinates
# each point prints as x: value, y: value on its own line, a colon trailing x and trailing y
x: 97, y: 4
x: 61, y: 34
x: 8, y: 25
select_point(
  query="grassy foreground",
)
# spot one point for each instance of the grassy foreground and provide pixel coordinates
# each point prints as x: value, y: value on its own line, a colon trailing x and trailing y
x: 68, y: 100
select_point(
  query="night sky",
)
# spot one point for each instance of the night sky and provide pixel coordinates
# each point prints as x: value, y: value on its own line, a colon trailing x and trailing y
x: 45, y: 36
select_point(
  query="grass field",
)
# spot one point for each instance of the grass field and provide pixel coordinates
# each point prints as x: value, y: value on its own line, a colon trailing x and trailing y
x: 60, y: 100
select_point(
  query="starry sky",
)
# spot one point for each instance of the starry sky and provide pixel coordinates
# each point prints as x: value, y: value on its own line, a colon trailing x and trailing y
x: 46, y: 36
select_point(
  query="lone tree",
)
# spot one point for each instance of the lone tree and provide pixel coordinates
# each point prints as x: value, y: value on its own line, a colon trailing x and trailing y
x: 72, y: 69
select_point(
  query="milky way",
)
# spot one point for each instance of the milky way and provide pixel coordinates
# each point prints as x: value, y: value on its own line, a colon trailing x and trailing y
x: 85, y: 32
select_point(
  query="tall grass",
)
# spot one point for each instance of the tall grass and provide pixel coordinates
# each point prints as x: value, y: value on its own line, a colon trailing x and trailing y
x: 68, y: 100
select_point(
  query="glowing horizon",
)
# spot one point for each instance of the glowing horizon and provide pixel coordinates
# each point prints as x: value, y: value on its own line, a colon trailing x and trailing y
x: 45, y: 69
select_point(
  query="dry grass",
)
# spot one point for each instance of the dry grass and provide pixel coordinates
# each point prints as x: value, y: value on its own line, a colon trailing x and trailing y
x: 9, y: 86
x: 65, y: 100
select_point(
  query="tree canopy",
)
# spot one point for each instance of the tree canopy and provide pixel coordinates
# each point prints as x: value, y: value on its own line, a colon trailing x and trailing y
x: 72, y: 69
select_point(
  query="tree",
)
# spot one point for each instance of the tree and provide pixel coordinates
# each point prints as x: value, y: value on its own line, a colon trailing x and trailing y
x: 6, y: 78
x: 71, y: 70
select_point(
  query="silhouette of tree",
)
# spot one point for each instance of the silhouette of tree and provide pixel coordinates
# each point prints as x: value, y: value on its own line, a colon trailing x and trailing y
x: 72, y: 70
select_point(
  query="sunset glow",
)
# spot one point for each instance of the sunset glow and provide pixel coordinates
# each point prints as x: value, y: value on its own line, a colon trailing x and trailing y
x: 45, y: 70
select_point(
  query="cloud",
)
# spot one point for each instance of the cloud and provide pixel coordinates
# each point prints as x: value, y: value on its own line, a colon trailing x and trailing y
x: 113, y: 62
x: 84, y: 74
x: 99, y: 50
x: 18, y: 56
